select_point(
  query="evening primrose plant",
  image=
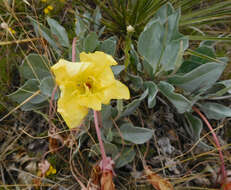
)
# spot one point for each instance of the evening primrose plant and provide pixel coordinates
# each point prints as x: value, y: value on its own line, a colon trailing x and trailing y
x: 156, y: 70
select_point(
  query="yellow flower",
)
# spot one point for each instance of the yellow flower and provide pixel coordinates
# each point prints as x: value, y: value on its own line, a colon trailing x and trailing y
x: 46, y: 10
x: 50, y: 7
x: 44, y: 1
x: 50, y: 171
x: 12, y: 31
x: 86, y: 84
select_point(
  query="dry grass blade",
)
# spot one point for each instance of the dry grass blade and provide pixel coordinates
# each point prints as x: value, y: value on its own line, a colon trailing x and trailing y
x: 19, y: 41
x: 157, y: 181
x: 25, y: 101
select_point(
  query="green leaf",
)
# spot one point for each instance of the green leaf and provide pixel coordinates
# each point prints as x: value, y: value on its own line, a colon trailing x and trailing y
x: 108, y: 46
x: 215, y: 110
x: 136, y: 135
x: 168, y: 16
x: 150, y: 43
x: 130, y: 108
x: 91, y: 42
x: 110, y: 149
x: 227, y: 84
x: 117, y: 69
x: 35, y: 66
x: 181, y: 103
x: 119, y: 106
x: 195, y: 61
x: 219, y: 89
x: 47, y: 86
x: 25, y: 92
x: 135, y: 59
x: 59, y: 31
x: 97, y: 17
x: 195, y: 125
x: 110, y: 135
x: 170, y: 55
x: 136, y: 82
x: 106, y: 114
x: 201, y: 78
x: 152, y: 91
x: 160, y: 42
x: 163, y: 12
x: 126, y: 156
x: 148, y: 69
x: 208, y: 51
x: 41, y: 30
x: 80, y: 26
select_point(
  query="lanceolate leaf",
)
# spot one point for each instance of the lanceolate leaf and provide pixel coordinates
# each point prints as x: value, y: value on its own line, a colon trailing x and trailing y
x: 195, y: 125
x: 152, y: 91
x: 150, y: 43
x: 35, y: 66
x: 130, y: 108
x: 227, y: 84
x: 161, y: 42
x: 80, y: 26
x: 59, y: 31
x: 136, y: 81
x: 126, y: 156
x: 203, y: 77
x: 164, y: 11
x: 41, y: 30
x: 181, y: 103
x: 110, y: 149
x: 215, y: 110
x: 47, y: 87
x: 108, y: 46
x: 91, y: 42
x: 25, y: 92
x: 135, y: 135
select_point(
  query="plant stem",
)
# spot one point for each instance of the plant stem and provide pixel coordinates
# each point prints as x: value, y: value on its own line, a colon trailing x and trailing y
x: 104, y: 157
x: 73, y: 49
x: 223, y: 172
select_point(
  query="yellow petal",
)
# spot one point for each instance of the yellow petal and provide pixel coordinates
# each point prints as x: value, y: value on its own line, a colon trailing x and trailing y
x: 72, y: 113
x: 70, y: 109
x: 105, y: 77
x: 70, y: 71
x: 100, y: 59
x: 116, y: 91
x: 91, y: 101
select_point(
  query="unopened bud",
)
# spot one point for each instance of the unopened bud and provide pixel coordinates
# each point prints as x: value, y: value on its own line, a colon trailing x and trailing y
x: 130, y: 29
x: 4, y: 25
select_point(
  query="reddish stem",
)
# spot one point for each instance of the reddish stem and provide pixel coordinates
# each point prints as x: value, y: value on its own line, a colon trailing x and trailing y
x: 223, y: 172
x: 104, y: 157
x: 73, y: 49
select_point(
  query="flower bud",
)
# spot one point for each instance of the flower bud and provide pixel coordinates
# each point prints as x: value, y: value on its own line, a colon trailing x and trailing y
x: 130, y: 29
x: 4, y: 25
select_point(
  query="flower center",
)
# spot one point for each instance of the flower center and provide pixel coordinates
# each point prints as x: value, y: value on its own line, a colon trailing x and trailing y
x: 85, y: 87
x: 88, y: 85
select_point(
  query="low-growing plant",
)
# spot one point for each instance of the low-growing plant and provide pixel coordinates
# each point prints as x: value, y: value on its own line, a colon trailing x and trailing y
x: 157, y: 69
